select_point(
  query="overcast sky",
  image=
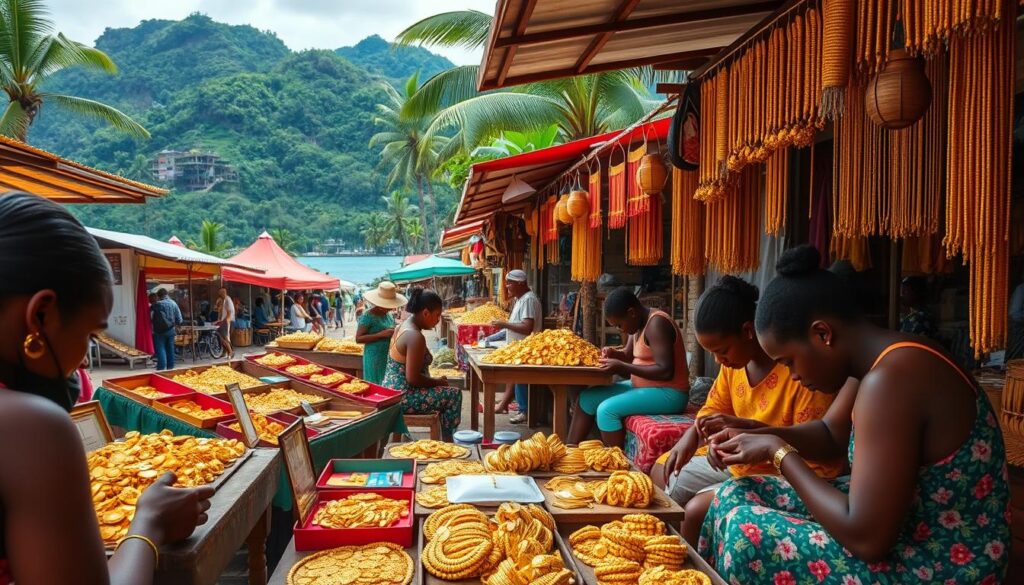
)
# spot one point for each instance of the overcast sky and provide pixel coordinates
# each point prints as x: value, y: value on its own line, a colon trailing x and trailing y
x: 301, y: 24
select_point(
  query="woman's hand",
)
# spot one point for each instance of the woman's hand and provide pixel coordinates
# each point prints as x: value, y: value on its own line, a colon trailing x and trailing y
x: 613, y: 366
x: 385, y: 333
x: 169, y: 514
x: 442, y: 381
x: 715, y: 423
x: 747, y: 448
x: 679, y: 456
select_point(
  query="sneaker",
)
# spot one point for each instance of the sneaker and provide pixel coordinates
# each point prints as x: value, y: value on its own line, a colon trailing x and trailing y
x: 517, y: 418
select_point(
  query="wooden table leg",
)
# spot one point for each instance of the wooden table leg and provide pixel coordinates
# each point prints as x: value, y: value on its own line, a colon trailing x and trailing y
x: 256, y: 544
x: 532, y: 407
x: 474, y: 399
x: 560, y: 410
x: 489, y: 392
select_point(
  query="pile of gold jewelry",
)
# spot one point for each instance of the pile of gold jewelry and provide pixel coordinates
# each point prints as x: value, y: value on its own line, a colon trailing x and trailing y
x: 373, y: 564
x: 482, y: 315
x: 437, y: 473
x: 426, y: 449
x: 149, y: 392
x: 622, y: 550
x: 446, y: 372
x: 663, y: 576
x: 625, y: 489
x: 361, y: 511
x: 553, y: 347
x: 193, y: 409
x: 279, y: 399
x: 275, y: 360
x: 540, y: 453
x: 125, y: 349
x: 433, y: 497
x: 267, y: 429
x: 340, y: 346
x: 353, y: 387
x: 328, y: 379
x: 119, y: 472
x: 213, y: 379
x: 512, y: 549
x: 298, y: 337
x: 304, y: 369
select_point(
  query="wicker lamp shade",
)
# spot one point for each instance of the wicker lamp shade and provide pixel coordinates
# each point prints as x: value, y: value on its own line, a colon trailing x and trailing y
x: 578, y: 204
x: 651, y: 174
x: 900, y: 93
x: 561, y: 211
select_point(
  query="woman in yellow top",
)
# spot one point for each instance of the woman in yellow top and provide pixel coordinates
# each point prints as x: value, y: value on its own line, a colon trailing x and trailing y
x: 751, y: 391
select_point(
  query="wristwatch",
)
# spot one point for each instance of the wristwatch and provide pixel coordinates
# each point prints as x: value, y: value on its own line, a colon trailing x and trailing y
x: 780, y: 454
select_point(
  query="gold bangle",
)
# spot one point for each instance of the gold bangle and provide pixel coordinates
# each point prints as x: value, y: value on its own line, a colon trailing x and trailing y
x: 780, y: 454
x: 152, y: 545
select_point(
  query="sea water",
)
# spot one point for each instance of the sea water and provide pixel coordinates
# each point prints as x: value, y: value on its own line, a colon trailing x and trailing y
x: 357, y: 269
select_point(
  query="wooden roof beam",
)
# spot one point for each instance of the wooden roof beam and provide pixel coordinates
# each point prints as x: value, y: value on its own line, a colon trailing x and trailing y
x: 625, y: 9
x: 635, y: 24
x: 525, y: 12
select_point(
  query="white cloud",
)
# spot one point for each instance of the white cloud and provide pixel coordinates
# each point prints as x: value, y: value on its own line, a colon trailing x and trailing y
x: 301, y: 24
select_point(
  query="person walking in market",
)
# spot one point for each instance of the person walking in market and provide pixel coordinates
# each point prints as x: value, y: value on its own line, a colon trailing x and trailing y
x: 526, y: 318
x: 225, y: 317
x: 408, y: 368
x: 376, y: 327
x: 165, y: 316
x: 56, y: 292
x: 655, y: 361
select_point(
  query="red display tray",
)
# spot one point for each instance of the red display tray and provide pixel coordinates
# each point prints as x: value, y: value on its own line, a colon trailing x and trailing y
x: 126, y: 387
x: 376, y: 396
x: 284, y: 418
x: 406, y: 466
x: 310, y: 537
x: 164, y: 405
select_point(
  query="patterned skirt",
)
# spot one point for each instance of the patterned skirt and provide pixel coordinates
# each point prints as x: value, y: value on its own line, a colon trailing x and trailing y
x: 444, y: 400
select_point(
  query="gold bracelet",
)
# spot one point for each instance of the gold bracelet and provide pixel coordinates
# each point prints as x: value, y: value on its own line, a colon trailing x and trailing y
x: 780, y: 454
x: 152, y: 545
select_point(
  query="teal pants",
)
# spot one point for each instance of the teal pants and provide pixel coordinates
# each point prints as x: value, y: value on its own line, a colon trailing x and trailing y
x: 613, y: 403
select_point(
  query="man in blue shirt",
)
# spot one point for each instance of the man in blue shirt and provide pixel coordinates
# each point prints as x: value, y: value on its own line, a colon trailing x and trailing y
x: 259, y: 314
x: 165, y: 316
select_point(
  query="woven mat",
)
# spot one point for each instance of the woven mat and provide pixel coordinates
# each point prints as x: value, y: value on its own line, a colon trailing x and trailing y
x: 1014, y: 442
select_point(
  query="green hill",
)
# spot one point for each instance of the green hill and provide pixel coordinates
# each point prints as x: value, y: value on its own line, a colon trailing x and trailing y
x: 294, y: 125
x: 392, y: 62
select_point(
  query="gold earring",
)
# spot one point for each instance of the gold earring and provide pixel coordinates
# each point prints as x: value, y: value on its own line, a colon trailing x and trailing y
x: 32, y: 339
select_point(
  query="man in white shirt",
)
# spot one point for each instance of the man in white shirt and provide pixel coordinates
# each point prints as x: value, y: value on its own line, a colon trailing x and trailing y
x: 225, y: 317
x: 526, y: 318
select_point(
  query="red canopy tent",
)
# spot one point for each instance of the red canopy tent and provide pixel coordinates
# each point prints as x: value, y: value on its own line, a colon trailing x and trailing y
x: 282, y: 271
x: 177, y: 242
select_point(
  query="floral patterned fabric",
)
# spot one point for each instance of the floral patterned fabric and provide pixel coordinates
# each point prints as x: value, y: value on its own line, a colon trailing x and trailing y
x: 957, y: 530
x: 444, y: 400
x: 650, y: 435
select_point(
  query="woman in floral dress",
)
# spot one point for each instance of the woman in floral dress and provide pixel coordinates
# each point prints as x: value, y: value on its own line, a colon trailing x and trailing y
x: 927, y: 499
x: 409, y: 362
x: 376, y: 327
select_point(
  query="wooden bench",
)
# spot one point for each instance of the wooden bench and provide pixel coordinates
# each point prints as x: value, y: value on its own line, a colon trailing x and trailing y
x: 431, y: 421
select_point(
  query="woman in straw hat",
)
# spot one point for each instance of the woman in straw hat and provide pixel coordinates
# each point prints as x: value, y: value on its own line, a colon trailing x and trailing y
x: 376, y: 327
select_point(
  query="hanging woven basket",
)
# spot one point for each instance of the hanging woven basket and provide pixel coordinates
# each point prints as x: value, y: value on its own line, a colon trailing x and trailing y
x: 900, y: 94
x: 651, y: 174
x: 561, y: 211
x: 578, y: 204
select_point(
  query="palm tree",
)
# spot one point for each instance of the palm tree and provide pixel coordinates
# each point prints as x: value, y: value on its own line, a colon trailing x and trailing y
x: 375, y: 231
x: 287, y: 240
x: 416, y: 232
x: 30, y: 54
x: 138, y: 169
x: 398, y: 217
x: 412, y: 161
x: 209, y: 239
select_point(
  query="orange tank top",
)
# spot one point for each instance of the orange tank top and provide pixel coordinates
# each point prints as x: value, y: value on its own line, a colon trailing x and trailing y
x: 644, y: 356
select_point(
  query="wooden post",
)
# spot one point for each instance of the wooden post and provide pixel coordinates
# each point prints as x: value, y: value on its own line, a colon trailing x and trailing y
x: 694, y: 287
x: 588, y: 302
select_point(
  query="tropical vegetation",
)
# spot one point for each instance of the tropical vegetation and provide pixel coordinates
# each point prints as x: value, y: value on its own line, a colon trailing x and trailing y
x: 30, y: 54
x: 211, y: 239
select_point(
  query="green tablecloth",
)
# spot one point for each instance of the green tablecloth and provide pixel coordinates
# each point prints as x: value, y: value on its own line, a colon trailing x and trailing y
x: 346, y: 442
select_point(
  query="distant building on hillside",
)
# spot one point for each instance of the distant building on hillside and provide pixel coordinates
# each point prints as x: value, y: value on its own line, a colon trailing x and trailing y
x: 192, y: 170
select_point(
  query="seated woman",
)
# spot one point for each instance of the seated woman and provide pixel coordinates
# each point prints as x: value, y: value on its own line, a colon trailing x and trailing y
x: 55, y: 294
x: 655, y: 360
x: 409, y: 362
x: 751, y: 391
x: 259, y: 314
x: 927, y: 499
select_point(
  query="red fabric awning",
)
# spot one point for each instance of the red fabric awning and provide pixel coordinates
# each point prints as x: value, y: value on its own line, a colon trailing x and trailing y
x: 458, y: 234
x: 488, y: 180
x: 414, y: 258
x: 282, y: 271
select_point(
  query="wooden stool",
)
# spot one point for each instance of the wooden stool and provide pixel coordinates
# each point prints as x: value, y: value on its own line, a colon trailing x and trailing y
x: 431, y: 421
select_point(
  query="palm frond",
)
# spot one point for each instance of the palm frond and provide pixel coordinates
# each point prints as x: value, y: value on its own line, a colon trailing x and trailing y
x: 441, y: 91
x: 385, y: 137
x: 23, y: 26
x: 15, y: 122
x: 449, y: 149
x: 109, y: 114
x: 411, y: 85
x: 487, y: 115
x: 59, y: 52
x: 460, y: 28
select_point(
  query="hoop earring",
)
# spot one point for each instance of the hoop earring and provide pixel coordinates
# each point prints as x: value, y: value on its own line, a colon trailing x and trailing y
x: 31, y: 340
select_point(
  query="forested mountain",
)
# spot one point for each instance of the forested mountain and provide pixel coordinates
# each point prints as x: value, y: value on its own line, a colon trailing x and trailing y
x: 295, y: 125
x: 392, y: 62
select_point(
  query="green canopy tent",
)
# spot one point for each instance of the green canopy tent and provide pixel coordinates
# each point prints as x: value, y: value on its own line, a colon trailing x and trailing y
x: 432, y: 267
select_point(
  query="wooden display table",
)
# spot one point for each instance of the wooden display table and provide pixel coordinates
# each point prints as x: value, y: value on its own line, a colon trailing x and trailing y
x: 292, y: 556
x: 346, y: 362
x: 491, y: 379
x: 239, y: 514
